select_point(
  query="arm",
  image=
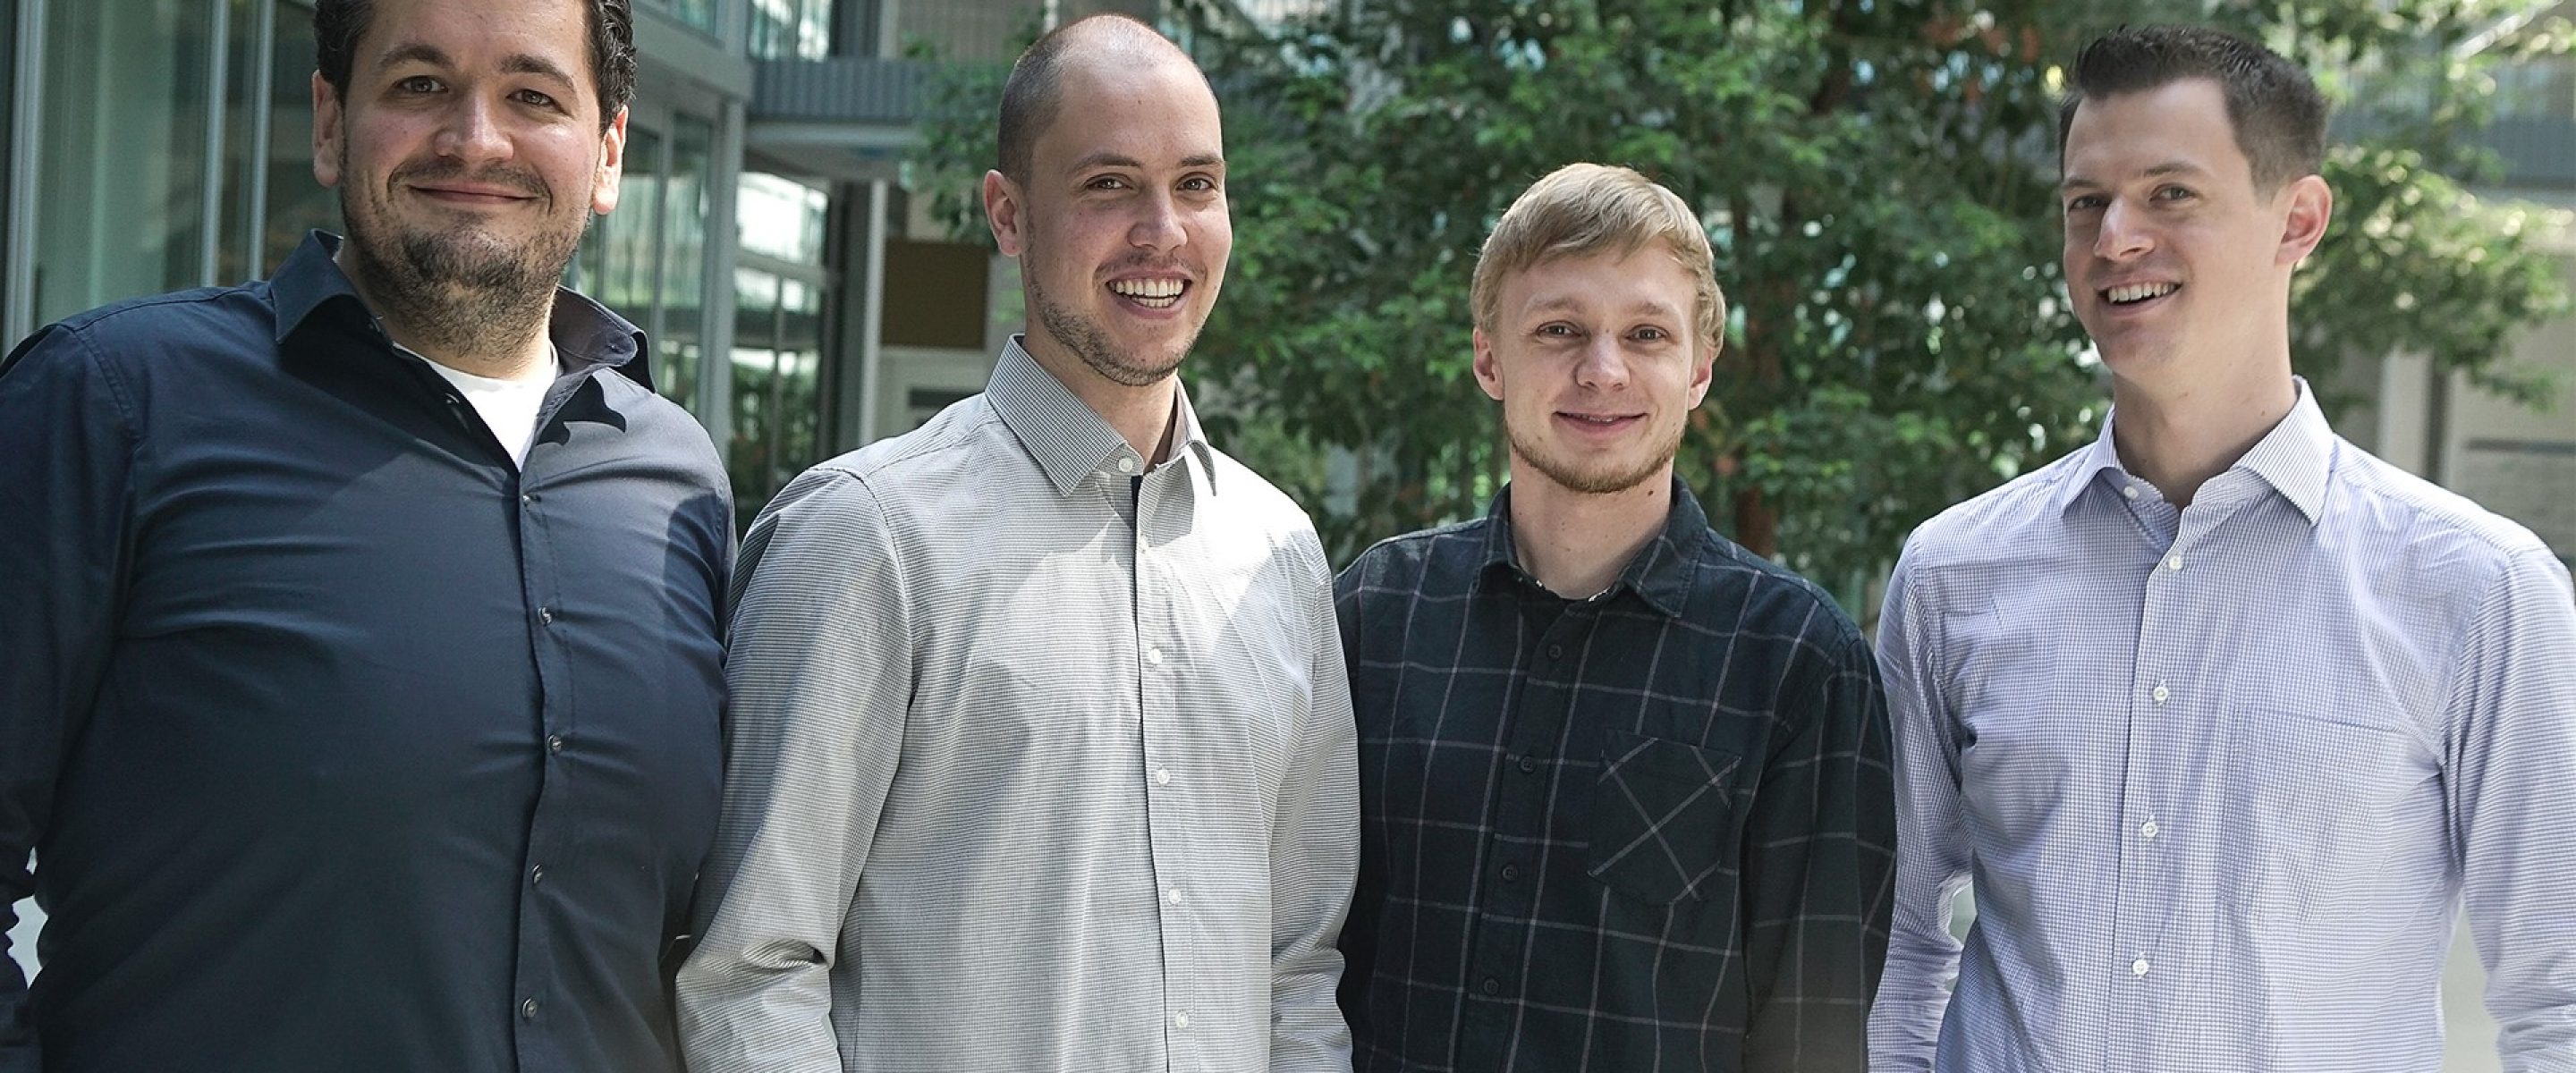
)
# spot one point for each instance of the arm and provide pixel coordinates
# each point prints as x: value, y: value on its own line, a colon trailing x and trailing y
x: 2510, y: 775
x: 1314, y: 850
x: 1818, y: 847
x: 819, y: 678
x: 66, y: 455
x: 1932, y: 856
x: 1359, y: 930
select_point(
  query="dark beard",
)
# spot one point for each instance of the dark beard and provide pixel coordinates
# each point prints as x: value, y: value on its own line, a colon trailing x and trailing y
x: 460, y: 292
x: 1092, y: 345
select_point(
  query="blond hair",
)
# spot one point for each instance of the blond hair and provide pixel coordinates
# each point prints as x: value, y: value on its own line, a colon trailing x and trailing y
x: 1584, y: 209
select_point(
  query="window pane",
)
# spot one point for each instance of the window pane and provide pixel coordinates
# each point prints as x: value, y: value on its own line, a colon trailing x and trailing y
x: 296, y: 204
x: 782, y: 218
x: 125, y: 152
x: 684, y: 248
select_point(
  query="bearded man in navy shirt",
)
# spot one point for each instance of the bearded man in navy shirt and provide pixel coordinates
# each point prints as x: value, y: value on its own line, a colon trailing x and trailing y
x: 361, y: 629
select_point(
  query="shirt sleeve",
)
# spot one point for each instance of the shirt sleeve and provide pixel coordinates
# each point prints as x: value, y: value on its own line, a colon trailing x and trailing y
x: 819, y: 678
x: 2510, y: 775
x: 1314, y: 853
x: 1932, y: 855
x: 66, y: 459
x: 1818, y: 849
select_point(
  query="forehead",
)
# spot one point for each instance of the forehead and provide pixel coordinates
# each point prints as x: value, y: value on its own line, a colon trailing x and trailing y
x: 2183, y: 122
x: 479, y: 32
x: 1649, y: 277
x: 1153, y: 109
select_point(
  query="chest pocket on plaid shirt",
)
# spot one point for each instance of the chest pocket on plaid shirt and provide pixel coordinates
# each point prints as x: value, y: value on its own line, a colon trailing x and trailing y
x: 1662, y: 818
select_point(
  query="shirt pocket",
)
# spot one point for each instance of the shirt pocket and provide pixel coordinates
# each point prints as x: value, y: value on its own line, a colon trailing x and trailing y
x: 2320, y: 793
x: 1662, y: 817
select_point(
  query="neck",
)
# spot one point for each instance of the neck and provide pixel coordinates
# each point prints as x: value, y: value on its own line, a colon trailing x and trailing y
x: 502, y: 340
x: 1143, y: 414
x: 1576, y: 543
x: 2180, y: 437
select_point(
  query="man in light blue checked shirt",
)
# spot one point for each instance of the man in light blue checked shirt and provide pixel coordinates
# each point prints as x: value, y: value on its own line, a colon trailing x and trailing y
x: 2224, y: 717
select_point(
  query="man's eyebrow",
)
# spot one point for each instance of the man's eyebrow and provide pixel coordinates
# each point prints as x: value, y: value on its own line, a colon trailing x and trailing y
x: 520, y: 63
x: 2170, y: 167
x: 1108, y: 159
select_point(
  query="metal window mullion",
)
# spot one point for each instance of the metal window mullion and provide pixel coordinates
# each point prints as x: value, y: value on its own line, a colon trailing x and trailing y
x: 210, y: 242
x: 264, y: 73
x: 27, y: 122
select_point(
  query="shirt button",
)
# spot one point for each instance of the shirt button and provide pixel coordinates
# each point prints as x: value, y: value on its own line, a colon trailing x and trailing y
x: 1556, y: 651
x: 2161, y: 693
x: 527, y: 500
x: 537, y: 874
x: 546, y: 615
x: 1173, y: 896
x: 2173, y: 563
x: 528, y: 1010
x: 1529, y: 764
x: 2149, y: 830
x: 2138, y: 967
x: 2129, y: 490
x: 1154, y: 655
x: 1126, y: 465
x: 1511, y: 872
x: 1491, y: 986
x: 1162, y: 776
x: 1180, y: 1020
x: 554, y: 743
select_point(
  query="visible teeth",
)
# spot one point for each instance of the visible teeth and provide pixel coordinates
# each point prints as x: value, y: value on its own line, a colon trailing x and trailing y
x: 1147, y: 288
x: 2138, y: 292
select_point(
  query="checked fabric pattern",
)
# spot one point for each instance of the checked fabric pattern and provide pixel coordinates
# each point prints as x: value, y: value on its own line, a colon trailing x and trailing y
x: 1644, y: 832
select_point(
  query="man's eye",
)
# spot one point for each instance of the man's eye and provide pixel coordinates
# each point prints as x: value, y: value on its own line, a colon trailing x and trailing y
x: 531, y: 96
x: 418, y: 84
x: 1106, y: 182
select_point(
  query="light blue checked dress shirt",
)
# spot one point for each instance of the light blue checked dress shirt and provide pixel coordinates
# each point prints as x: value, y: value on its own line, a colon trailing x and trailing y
x: 2223, y: 775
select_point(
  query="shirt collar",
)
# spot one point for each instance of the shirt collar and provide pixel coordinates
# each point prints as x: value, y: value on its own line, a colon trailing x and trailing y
x: 1066, y: 436
x: 585, y: 334
x: 2295, y: 458
x: 1660, y: 573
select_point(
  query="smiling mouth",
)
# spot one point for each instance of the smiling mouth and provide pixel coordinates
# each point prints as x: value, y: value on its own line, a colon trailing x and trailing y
x: 1601, y: 421
x: 2134, y: 293
x: 1150, y: 293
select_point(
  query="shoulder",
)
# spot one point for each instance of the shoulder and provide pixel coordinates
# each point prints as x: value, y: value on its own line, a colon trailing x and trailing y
x: 2421, y: 524
x: 2017, y: 510
x: 1735, y: 589
x: 1444, y: 557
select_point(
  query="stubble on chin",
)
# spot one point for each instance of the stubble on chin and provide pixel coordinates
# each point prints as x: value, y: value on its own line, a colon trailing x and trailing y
x: 461, y: 292
x: 1592, y: 481
x: 1091, y: 344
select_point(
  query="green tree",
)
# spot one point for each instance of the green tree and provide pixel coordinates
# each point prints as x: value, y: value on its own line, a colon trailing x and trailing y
x: 1877, y: 176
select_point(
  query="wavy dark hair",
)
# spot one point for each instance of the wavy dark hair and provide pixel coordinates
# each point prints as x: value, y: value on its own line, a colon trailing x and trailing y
x: 338, y: 25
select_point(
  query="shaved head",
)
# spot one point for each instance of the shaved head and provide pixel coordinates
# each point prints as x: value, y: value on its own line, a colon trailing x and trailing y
x: 1034, y: 93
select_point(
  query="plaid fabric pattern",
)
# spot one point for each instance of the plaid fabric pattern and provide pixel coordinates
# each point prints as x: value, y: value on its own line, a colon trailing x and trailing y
x: 1647, y: 831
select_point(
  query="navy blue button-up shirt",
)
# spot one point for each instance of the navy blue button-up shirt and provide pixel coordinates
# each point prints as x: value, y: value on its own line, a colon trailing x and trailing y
x: 341, y: 742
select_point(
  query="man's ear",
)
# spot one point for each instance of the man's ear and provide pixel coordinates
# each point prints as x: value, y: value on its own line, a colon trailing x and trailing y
x: 2310, y: 207
x: 326, y: 132
x: 1002, y: 212
x: 1489, y: 368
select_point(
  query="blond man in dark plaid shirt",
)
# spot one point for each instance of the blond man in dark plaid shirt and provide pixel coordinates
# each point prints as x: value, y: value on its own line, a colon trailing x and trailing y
x: 1625, y: 788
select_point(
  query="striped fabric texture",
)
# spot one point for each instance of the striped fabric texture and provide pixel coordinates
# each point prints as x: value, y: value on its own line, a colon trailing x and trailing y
x: 2222, y: 776
x: 1035, y: 765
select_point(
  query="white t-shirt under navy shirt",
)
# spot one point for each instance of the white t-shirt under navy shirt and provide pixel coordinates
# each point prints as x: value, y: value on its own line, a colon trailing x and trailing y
x: 509, y: 407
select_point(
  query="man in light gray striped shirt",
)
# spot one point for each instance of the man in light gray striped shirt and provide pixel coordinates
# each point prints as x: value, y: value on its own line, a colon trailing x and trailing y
x: 1041, y: 748
x: 2225, y: 717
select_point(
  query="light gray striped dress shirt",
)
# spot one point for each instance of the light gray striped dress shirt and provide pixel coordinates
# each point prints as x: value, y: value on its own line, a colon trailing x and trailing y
x: 2222, y: 775
x: 1017, y: 784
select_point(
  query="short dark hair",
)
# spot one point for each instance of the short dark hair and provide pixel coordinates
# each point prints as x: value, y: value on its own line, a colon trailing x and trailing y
x: 338, y: 25
x: 2274, y: 107
x: 1031, y: 96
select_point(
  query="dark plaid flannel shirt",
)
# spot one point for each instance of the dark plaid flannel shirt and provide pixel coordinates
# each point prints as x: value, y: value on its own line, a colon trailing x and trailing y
x: 1648, y: 831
